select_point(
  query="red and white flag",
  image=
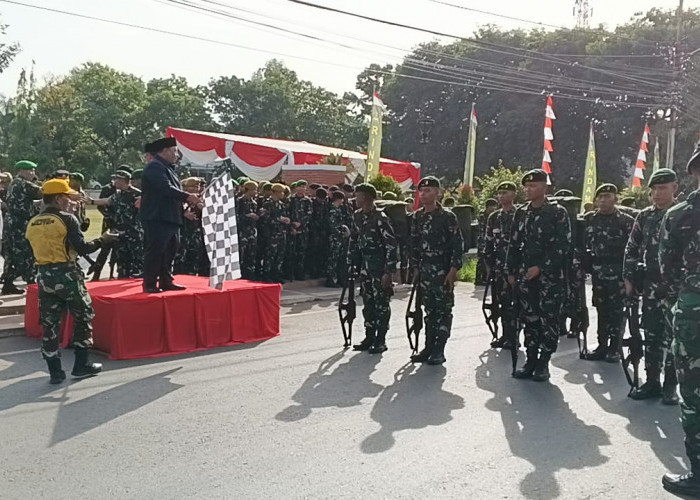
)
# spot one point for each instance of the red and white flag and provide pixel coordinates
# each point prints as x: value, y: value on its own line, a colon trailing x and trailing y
x: 549, y: 118
x: 641, y: 164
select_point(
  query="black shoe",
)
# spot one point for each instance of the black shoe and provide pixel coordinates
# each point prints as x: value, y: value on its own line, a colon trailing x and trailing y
x: 170, y: 287
x: 612, y: 357
x: 649, y: 389
x: 421, y: 357
x: 498, y: 343
x: 364, y: 345
x: 572, y: 335
x: 378, y: 348
x: 669, y: 395
x: 682, y: 484
x: 437, y: 355
x: 11, y: 289
x: 541, y: 372
x: 528, y: 368
x: 56, y: 371
x: 151, y: 289
x: 598, y: 354
x: 83, y: 367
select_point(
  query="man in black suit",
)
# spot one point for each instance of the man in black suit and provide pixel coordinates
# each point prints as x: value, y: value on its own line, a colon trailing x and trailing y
x: 162, y: 214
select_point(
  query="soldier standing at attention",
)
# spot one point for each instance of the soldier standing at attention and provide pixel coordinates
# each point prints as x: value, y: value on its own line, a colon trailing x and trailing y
x: 192, y: 255
x: 247, y: 217
x: 300, y: 212
x: 679, y: 258
x: 372, y: 252
x: 643, y: 250
x: 436, y: 256
x: 56, y: 241
x: 339, y: 223
x: 19, y: 260
x: 490, y: 206
x: 498, y: 229
x: 607, y: 232
x: 539, y: 242
x: 276, y: 223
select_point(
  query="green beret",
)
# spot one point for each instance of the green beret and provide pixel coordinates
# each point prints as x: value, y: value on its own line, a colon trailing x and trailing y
x: 694, y: 161
x: 301, y: 182
x: 78, y: 176
x: 234, y: 182
x: 507, y: 186
x: 429, y: 181
x: 25, y: 165
x: 662, y: 176
x: 606, y: 188
x: 390, y: 196
x: 137, y: 173
x: 535, y: 175
x: 242, y: 180
x: 629, y: 201
x: 490, y: 201
x: 564, y: 192
x: 368, y: 189
x: 294, y: 184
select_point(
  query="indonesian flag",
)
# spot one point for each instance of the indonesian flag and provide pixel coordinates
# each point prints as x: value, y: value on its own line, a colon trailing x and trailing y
x: 641, y: 164
x: 377, y: 101
x: 549, y: 118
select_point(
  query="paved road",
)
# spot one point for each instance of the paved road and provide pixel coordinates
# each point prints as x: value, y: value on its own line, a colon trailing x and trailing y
x: 297, y: 417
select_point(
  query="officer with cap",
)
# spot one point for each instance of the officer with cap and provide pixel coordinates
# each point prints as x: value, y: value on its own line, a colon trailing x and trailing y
x: 498, y: 229
x: 436, y: 258
x: 56, y: 242
x: 642, y: 253
x: 276, y: 222
x: 540, y: 241
x: 679, y: 258
x: 373, y: 255
x: 606, y: 234
x: 19, y: 261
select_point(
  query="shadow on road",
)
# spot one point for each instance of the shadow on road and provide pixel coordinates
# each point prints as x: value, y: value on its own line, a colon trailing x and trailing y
x: 649, y: 421
x: 415, y: 400
x: 347, y: 385
x: 540, y: 426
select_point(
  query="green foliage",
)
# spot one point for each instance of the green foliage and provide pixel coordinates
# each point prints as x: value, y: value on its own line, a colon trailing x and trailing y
x: 464, y: 195
x: 7, y: 51
x: 490, y: 182
x: 640, y: 195
x: 333, y: 159
x: 468, y: 271
x: 385, y: 184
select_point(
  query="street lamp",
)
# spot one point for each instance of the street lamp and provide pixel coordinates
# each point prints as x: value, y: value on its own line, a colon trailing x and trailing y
x: 425, y: 125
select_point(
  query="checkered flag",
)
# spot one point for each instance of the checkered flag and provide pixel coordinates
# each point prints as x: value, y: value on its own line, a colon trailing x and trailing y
x: 220, y: 233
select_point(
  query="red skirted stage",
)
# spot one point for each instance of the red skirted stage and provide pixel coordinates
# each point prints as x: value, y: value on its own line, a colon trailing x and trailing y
x: 130, y: 324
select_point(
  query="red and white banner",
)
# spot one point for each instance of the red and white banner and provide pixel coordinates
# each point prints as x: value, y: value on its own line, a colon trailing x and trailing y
x: 549, y: 117
x: 641, y: 164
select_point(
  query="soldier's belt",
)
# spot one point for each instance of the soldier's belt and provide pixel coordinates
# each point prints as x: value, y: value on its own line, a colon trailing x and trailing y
x: 57, y: 265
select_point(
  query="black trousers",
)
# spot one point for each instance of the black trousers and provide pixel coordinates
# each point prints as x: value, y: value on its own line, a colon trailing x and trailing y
x: 161, y: 240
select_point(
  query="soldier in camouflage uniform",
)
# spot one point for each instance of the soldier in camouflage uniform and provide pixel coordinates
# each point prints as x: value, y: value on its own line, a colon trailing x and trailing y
x: 498, y: 229
x: 436, y: 257
x: 643, y: 250
x: 276, y: 221
x: 106, y: 250
x: 123, y: 213
x: 76, y: 181
x: 606, y: 234
x: 56, y: 241
x: 19, y: 260
x: 372, y: 253
x: 317, y: 255
x: 264, y: 194
x: 339, y: 223
x: 481, y: 272
x: 539, y: 242
x: 300, y: 211
x: 247, y: 217
x: 191, y: 257
x: 679, y: 258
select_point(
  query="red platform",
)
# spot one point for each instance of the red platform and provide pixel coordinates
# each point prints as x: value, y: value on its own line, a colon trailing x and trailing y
x: 130, y: 324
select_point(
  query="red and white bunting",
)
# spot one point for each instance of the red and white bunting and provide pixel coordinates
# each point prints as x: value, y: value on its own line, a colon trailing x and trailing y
x: 548, y: 138
x: 641, y: 164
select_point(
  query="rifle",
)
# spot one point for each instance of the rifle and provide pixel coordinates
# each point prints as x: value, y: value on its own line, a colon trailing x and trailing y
x: 582, y: 322
x: 490, y: 307
x: 347, y: 307
x: 414, y: 316
x: 515, y: 305
x: 634, y: 344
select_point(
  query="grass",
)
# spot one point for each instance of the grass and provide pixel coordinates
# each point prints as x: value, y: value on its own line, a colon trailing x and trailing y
x: 95, y: 229
x: 468, y: 271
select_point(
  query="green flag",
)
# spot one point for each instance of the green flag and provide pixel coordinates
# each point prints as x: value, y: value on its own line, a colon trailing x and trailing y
x: 471, y: 149
x: 590, y: 176
x: 374, y: 148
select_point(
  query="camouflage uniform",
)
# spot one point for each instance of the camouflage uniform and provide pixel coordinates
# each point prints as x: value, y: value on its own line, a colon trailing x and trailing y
x: 481, y: 271
x: 339, y: 221
x: 124, y: 217
x: 319, y: 233
x: 276, y: 232
x: 191, y: 257
x: 643, y: 248
x: 679, y: 258
x: 19, y: 260
x: 372, y: 251
x: 436, y: 247
x: 300, y: 210
x: 541, y: 236
x: 247, y: 234
x: 107, y: 223
x: 497, y: 238
x: 606, y: 237
x: 263, y: 233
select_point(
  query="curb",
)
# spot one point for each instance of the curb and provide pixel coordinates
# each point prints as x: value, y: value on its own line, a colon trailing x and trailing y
x: 12, y: 332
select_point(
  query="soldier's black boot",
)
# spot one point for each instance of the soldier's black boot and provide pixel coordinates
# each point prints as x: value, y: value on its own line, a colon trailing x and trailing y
x: 423, y: 356
x: 613, y: 354
x: 682, y: 484
x: 599, y: 353
x: 10, y: 288
x: 366, y: 342
x: 437, y: 355
x: 649, y: 389
x: 83, y: 367
x: 55, y: 370
x: 541, y: 372
x: 530, y: 364
x: 379, y: 344
x: 669, y: 393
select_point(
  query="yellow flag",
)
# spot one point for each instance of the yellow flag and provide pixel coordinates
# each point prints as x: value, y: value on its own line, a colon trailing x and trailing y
x: 471, y: 150
x: 590, y: 177
x: 374, y: 148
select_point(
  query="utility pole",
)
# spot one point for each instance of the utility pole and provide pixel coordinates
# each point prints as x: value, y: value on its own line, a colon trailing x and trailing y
x: 676, y: 84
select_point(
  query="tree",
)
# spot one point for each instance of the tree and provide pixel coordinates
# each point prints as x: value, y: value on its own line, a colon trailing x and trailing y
x: 8, y: 51
x: 172, y: 102
x: 490, y: 182
x: 384, y: 184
